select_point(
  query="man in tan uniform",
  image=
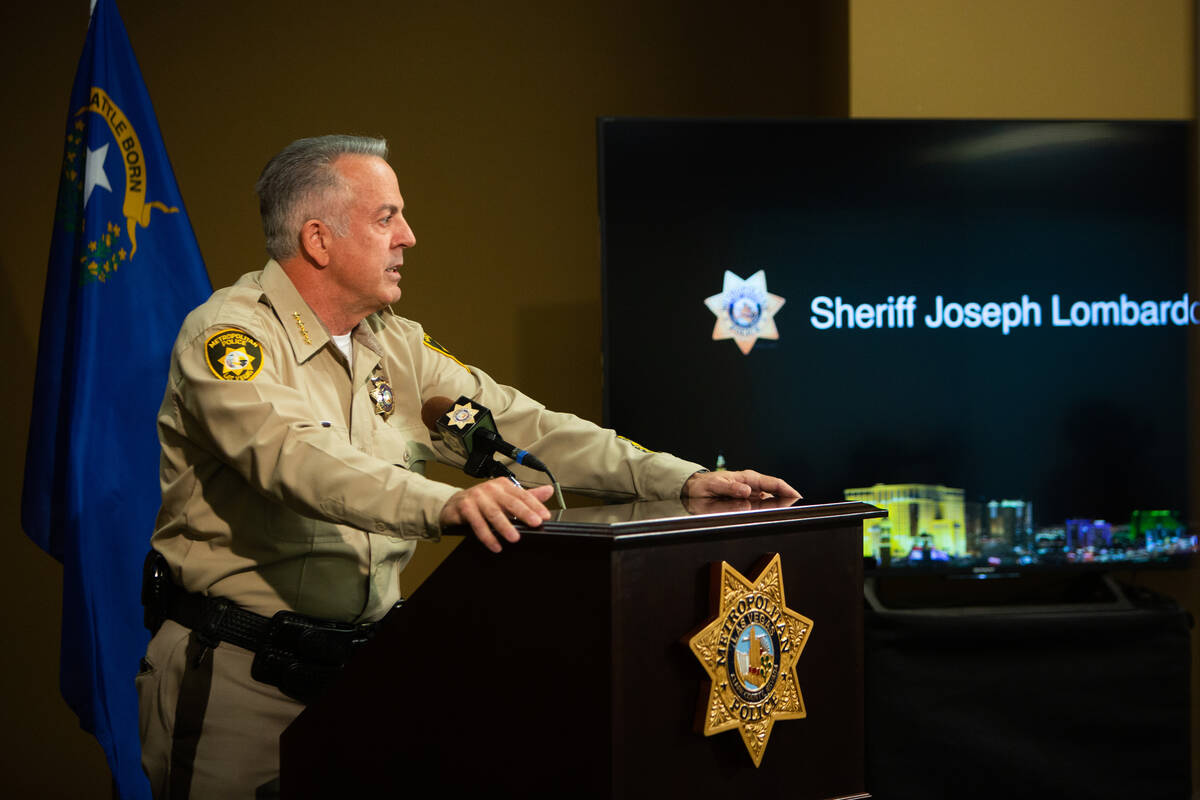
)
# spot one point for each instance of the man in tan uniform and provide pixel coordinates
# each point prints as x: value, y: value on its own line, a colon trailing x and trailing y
x: 292, y: 467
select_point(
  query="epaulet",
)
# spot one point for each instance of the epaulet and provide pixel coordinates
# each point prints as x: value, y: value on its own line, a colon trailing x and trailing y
x: 433, y: 345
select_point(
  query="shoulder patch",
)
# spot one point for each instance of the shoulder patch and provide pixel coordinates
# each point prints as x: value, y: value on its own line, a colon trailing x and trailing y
x: 233, y: 355
x: 433, y: 345
x: 635, y: 444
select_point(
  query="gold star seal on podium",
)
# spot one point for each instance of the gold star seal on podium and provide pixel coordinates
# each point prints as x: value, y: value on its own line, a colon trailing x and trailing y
x: 749, y: 651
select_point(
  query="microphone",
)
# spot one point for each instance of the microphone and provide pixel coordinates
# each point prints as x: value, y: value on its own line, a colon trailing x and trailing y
x: 469, y: 430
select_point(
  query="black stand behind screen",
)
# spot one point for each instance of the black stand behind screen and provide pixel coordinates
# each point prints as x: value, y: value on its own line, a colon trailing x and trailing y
x: 1089, y: 705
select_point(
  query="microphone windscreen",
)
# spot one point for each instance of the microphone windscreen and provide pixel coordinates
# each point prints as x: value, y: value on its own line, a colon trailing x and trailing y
x: 433, y: 408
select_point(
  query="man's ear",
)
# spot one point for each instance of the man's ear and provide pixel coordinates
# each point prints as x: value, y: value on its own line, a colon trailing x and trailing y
x: 315, y: 237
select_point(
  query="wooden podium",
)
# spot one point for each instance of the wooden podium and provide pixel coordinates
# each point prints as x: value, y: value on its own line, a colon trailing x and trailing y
x: 560, y: 667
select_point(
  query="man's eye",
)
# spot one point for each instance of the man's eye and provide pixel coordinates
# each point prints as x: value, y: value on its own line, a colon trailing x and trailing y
x: 386, y: 219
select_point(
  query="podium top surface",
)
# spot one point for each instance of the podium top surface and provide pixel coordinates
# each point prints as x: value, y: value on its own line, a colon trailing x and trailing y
x: 655, y: 519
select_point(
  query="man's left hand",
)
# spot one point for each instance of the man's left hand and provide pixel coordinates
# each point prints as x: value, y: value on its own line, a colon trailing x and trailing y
x: 744, y: 484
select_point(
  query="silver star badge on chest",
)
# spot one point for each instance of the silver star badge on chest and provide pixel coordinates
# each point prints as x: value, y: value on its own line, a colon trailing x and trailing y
x: 381, y: 394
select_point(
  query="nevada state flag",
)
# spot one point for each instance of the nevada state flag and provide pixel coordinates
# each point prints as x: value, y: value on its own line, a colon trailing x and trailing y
x: 124, y: 270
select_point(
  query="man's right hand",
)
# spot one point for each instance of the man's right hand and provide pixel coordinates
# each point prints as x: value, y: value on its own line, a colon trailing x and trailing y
x: 490, y: 507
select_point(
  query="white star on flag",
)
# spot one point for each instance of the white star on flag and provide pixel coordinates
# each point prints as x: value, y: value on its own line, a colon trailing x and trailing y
x: 745, y: 310
x: 94, y: 174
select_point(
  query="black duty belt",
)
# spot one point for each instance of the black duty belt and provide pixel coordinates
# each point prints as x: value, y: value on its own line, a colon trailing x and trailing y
x: 298, y: 654
x: 217, y: 619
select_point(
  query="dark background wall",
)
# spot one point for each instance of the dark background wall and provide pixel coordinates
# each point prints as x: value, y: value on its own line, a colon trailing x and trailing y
x: 490, y: 109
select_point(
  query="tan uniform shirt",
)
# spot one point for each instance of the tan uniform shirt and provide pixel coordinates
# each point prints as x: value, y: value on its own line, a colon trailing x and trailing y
x: 283, y: 488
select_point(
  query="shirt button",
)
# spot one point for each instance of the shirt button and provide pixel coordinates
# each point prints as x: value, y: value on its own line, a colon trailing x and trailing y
x: 379, y: 526
x: 404, y: 458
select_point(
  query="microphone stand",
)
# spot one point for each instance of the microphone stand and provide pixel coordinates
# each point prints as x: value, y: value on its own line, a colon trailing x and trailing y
x: 481, y: 464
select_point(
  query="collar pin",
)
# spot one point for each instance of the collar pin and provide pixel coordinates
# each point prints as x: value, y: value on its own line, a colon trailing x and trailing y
x: 303, y: 330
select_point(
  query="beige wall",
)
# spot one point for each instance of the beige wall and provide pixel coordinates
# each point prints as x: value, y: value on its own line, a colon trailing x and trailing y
x: 1022, y: 58
x: 1039, y: 58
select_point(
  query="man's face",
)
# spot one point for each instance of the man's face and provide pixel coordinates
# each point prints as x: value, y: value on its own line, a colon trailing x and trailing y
x: 364, y: 266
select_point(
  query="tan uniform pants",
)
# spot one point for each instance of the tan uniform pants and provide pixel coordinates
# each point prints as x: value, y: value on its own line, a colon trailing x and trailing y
x: 208, y: 729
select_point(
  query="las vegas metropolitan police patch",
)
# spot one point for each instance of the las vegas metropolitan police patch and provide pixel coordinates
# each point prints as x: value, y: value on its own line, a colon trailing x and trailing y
x: 233, y: 355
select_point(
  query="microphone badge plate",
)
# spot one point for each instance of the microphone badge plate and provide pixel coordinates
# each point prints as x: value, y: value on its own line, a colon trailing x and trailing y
x: 749, y: 651
x: 462, y: 415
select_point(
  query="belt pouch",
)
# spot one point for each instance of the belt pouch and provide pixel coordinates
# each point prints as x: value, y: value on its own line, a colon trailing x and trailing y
x: 301, y: 656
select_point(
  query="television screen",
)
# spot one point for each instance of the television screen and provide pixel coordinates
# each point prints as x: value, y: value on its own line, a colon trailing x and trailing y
x: 978, y: 325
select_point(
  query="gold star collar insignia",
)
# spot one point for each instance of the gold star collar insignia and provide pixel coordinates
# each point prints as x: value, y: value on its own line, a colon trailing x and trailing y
x: 749, y: 651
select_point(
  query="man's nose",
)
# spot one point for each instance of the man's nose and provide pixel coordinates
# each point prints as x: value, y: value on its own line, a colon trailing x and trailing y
x: 405, y: 237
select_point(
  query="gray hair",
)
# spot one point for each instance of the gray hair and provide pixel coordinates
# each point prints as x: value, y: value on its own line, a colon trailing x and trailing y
x: 300, y: 183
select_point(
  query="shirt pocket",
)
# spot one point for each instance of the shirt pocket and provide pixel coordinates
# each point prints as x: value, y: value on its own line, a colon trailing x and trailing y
x: 296, y: 528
